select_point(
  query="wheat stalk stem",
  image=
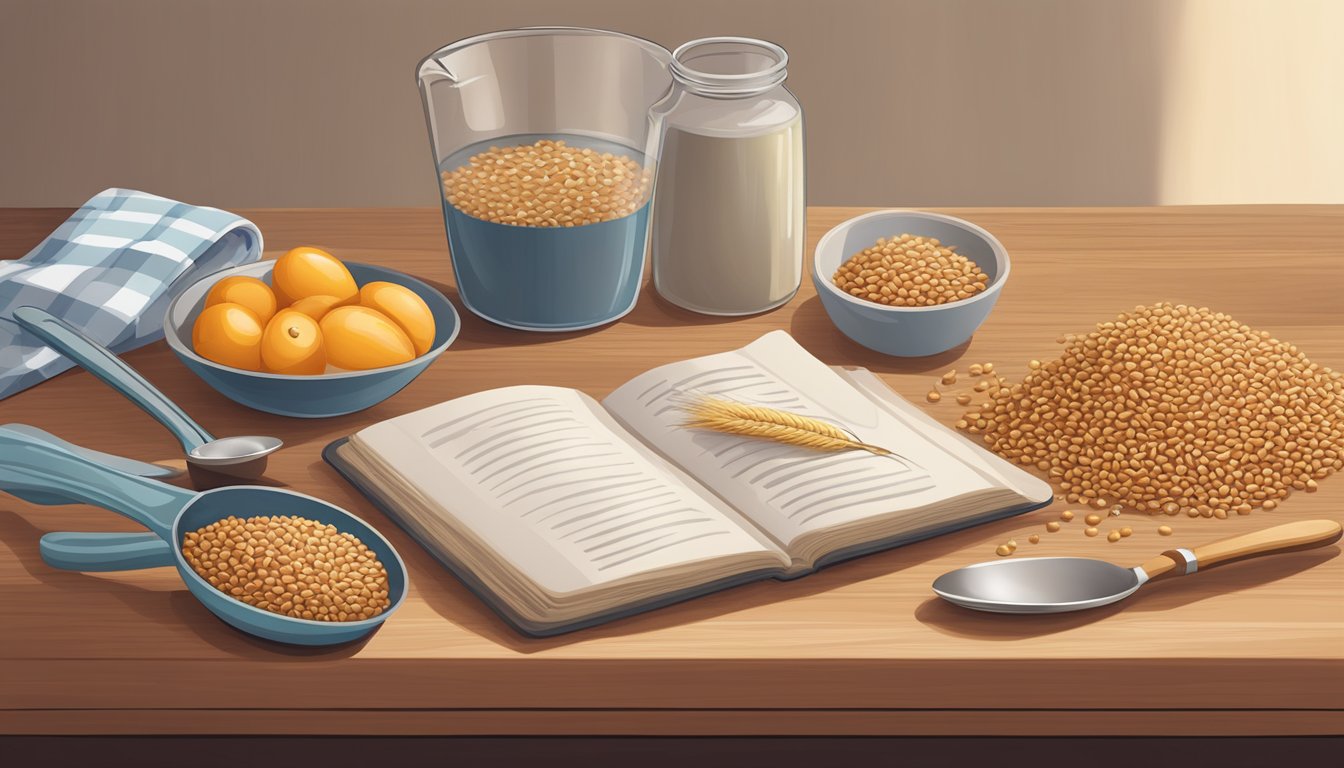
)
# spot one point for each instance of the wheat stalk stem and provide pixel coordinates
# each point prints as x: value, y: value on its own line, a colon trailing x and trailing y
x: 771, y: 424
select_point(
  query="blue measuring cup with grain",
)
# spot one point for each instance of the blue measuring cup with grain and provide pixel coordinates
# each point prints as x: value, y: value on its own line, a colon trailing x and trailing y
x: 43, y: 470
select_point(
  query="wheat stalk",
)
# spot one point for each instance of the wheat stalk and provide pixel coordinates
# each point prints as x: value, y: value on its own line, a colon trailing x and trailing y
x: 771, y: 424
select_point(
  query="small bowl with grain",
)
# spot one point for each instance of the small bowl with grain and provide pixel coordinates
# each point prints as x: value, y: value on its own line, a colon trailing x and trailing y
x: 940, y: 282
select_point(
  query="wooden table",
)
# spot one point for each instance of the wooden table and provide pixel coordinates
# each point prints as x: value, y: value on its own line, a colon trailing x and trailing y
x: 862, y: 648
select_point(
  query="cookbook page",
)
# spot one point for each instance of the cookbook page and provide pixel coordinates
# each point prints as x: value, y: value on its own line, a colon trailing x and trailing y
x: 550, y: 482
x: 786, y: 489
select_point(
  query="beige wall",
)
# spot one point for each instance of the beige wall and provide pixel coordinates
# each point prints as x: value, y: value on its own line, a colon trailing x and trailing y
x: 1253, y: 108
x: 926, y: 102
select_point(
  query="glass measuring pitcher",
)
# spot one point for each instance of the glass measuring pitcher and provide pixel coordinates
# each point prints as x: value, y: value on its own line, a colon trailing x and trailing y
x: 542, y: 153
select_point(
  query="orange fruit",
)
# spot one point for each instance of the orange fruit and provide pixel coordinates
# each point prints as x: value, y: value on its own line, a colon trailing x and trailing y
x: 405, y: 308
x: 315, y: 306
x: 306, y: 271
x: 228, y: 334
x: 249, y: 292
x: 292, y: 344
x: 359, y: 338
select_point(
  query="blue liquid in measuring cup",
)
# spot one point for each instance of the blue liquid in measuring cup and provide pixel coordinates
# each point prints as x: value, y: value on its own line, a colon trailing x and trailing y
x: 546, y: 278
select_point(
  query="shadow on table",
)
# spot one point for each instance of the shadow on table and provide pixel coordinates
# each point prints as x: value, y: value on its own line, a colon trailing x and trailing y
x: 229, y: 639
x: 456, y: 604
x: 809, y: 325
x: 653, y: 311
x: 1162, y: 595
x: 479, y: 333
x: 812, y: 328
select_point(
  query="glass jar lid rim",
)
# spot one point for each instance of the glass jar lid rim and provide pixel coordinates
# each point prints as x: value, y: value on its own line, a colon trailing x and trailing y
x: 772, y: 74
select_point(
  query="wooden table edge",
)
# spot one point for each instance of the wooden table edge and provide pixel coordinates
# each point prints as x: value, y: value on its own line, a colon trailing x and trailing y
x: 566, y: 684
x: 678, y: 722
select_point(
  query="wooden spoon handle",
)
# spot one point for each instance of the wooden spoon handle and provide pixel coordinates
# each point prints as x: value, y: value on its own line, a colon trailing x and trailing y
x: 1305, y: 534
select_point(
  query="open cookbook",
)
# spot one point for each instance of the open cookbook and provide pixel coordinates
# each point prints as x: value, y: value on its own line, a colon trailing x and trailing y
x: 563, y: 512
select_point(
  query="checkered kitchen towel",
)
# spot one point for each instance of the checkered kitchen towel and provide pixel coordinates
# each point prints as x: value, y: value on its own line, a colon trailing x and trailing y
x: 110, y: 270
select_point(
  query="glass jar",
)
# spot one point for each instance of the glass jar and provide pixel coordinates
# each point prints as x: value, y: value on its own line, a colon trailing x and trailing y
x: 729, y: 200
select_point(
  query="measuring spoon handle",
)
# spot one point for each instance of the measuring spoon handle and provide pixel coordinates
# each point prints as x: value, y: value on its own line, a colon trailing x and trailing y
x: 1289, y: 537
x: 42, y: 472
x: 104, y: 551
x: 99, y: 361
x: 129, y: 466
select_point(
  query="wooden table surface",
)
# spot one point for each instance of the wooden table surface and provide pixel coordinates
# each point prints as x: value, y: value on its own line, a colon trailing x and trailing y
x: 861, y: 648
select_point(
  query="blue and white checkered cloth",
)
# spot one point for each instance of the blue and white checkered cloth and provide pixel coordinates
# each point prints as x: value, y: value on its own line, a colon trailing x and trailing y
x: 110, y: 270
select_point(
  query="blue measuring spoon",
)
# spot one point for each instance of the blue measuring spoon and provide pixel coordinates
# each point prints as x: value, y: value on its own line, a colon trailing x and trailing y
x: 243, y: 456
x: 129, y: 466
x: 44, y: 472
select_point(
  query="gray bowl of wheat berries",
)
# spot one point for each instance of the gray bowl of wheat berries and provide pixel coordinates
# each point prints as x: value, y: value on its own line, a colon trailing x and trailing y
x: 909, y: 283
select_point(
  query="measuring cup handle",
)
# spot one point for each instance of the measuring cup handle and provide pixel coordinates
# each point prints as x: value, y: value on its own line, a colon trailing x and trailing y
x: 107, y: 367
x: 103, y: 552
x: 43, y: 472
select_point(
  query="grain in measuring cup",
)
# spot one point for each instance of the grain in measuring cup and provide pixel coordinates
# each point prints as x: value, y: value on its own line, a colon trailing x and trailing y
x: 547, y: 184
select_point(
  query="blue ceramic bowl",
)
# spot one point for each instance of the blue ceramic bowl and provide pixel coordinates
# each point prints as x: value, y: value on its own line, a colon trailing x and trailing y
x: 908, y: 331
x: 309, y: 397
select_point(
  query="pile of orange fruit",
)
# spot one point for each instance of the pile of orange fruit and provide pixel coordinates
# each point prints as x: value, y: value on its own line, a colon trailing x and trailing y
x: 310, y: 318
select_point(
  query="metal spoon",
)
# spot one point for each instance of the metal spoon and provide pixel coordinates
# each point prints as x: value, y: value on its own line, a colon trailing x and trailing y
x: 242, y: 457
x: 1059, y: 584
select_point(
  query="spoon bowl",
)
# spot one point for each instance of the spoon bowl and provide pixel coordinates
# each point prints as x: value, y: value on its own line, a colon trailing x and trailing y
x: 242, y: 458
x: 225, y: 451
x: 1059, y: 584
x: 1038, y: 585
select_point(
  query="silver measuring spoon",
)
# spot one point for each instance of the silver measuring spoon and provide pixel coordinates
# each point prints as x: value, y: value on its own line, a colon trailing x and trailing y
x: 242, y: 457
x: 1059, y: 584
